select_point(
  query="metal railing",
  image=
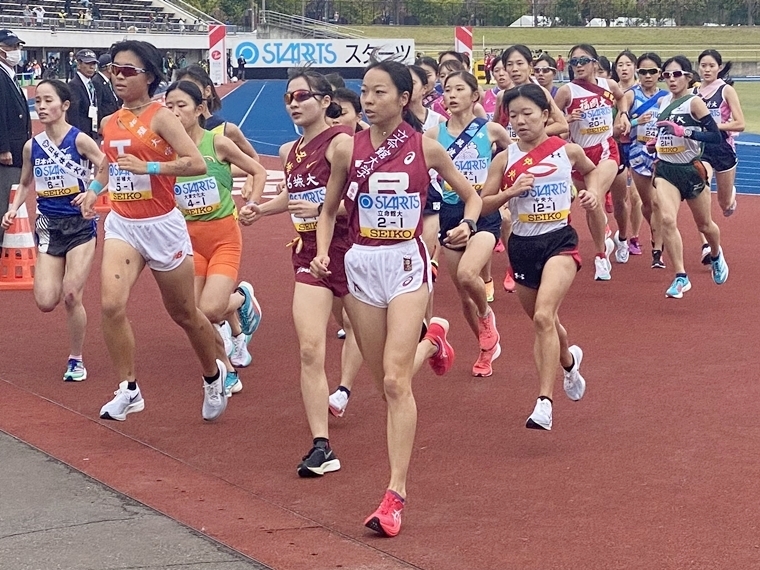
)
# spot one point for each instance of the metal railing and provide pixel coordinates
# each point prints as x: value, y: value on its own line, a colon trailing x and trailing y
x: 306, y: 26
x: 70, y: 24
x: 188, y: 9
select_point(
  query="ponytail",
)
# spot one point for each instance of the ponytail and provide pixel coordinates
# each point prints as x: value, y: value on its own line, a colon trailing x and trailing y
x: 412, y: 119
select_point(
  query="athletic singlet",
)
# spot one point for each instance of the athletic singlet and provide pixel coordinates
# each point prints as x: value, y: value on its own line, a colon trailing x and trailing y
x: 546, y: 206
x: 438, y: 106
x: 137, y: 196
x: 213, y: 124
x: 385, y: 198
x: 432, y: 119
x: 55, y: 185
x: 595, y: 125
x: 645, y: 132
x: 717, y: 105
x: 673, y: 149
x: 208, y: 196
x: 306, y: 174
x: 489, y: 102
x: 473, y: 160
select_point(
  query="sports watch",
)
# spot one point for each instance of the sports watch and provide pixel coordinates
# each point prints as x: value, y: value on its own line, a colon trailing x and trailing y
x: 470, y: 224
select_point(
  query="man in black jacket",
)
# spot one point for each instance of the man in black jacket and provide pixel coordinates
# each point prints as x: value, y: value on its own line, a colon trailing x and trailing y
x: 108, y: 103
x: 83, y: 113
x: 15, y: 122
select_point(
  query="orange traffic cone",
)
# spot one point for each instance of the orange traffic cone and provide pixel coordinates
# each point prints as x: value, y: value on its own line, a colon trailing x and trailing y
x: 19, y: 252
x: 103, y: 204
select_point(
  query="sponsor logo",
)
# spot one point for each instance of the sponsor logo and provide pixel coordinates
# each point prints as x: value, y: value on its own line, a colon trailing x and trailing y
x: 407, y: 263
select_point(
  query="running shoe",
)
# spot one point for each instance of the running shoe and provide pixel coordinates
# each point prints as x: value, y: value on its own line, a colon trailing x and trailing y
x: 574, y: 384
x: 608, y: 207
x: 719, y: 269
x: 499, y: 247
x: 732, y: 208
x: 541, y: 418
x: 680, y: 285
x: 75, y: 371
x: 386, y: 520
x: 232, y: 384
x: 482, y: 367
x: 442, y: 361
x: 489, y: 290
x: 126, y: 402
x: 434, y: 269
x: 601, y: 269
x: 320, y: 460
x: 214, y: 396
x: 509, y: 282
x: 240, y: 356
x: 225, y: 331
x: 657, y: 262
x: 338, y: 401
x: 706, y: 253
x: 634, y: 247
x: 488, y: 336
x: 249, y: 312
x: 621, y: 248
x: 341, y: 334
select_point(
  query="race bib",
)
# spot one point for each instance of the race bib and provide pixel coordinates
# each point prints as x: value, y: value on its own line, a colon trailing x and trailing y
x: 668, y: 144
x: 316, y: 196
x: 539, y: 212
x: 53, y: 181
x: 124, y: 186
x: 596, y: 121
x: 197, y: 197
x: 389, y: 216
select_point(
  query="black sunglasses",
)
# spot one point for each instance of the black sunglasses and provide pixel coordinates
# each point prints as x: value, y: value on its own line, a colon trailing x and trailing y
x: 648, y: 71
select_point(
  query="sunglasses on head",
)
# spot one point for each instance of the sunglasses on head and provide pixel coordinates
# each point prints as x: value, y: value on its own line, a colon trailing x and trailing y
x: 299, y: 96
x: 675, y: 74
x: 583, y: 60
x: 648, y: 70
x: 126, y: 70
x: 546, y: 69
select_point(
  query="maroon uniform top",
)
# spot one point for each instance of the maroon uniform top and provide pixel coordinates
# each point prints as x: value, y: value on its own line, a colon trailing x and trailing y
x: 387, y: 188
x: 306, y: 174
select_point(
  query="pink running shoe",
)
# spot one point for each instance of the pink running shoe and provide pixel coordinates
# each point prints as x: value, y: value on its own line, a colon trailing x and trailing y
x: 608, y: 202
x: 488, y: 336
x: 634, y: 247
x: 442, y: 361
x: 386, y: 520
x: 499, y: 247
x: 482, y: 367
x: 509, y: 282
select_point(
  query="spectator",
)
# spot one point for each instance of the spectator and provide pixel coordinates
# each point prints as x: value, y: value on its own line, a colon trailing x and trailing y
x: 39, y: 12
x: 83, y: 113
x: 96, y: 15
x: 241, y: 68
x: 27, y: 16
x: 560, y: 68
x: 71, y: 67
x: 67, y: 7
x: 80, y: 19
x: 61, y: 19
x: 109, y: 102
x: 88, y: 19
x: 181, y: 26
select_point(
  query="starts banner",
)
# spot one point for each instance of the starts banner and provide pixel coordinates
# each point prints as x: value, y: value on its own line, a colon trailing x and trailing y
x: 322, y: 53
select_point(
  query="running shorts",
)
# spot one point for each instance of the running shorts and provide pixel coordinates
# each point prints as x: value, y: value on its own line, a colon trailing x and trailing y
x: 690, y: 178
x: 528, y: 254
x: 721, y: 156
x: 58, y: 236
x: 336, y: 282
x: 452, y: 214
x: 217, y: 247
x: 600, y: 152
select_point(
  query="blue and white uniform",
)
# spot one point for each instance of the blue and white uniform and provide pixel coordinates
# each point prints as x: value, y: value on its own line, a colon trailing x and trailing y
x: 640, y: 160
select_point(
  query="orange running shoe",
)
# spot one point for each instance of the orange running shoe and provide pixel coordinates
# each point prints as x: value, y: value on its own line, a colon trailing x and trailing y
x: 442, y: 361
x: 488, y: 336
x: 386, y: 520
x: 482, y: 367
x: 509, y: 282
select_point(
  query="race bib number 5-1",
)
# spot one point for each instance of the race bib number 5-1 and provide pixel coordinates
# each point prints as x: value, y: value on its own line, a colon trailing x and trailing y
x: 389, y: 216
x: 124, y: 186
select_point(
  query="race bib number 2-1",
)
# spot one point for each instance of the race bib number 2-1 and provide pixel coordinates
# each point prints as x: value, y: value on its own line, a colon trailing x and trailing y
x: 389, y: 216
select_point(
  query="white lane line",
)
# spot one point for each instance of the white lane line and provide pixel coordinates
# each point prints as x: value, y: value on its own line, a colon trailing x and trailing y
x: 250, y: 108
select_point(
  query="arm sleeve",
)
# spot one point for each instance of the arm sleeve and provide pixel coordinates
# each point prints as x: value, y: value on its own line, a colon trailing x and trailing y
x: 710, y: 133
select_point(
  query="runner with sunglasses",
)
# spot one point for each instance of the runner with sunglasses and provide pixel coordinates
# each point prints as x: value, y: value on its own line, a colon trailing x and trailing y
x: 588, y: 101
x: 382, y: 177
x: 147, y: 148
x: 307, y: 163
x: 545, y: 70
x: 643, y: 103
x: 56, y: 166
x: 211, y: 216
x: 543, y: 246
x: 684, y: 126
x: 716, y: 89
x: 469, y: 141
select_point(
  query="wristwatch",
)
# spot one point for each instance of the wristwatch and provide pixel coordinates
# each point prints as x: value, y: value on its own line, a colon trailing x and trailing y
x: 470, y: 224
x: 687, y: 131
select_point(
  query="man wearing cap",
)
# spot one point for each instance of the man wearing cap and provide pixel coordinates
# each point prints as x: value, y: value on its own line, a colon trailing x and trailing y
x: 108, y: 103
x: 83, y: 113
x: 15, y: 122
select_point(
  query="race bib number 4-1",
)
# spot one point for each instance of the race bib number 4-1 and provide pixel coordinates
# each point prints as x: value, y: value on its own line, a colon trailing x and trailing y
x: 197, y: 197
x: 315, y: 196
x: 124, y: 186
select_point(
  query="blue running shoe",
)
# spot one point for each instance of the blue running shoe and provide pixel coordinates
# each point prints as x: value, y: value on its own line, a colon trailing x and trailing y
x: 76, y: 372
x: 719, y: 268
x: 232, y: 384
x: 249, y: 312
x: 680, y: 285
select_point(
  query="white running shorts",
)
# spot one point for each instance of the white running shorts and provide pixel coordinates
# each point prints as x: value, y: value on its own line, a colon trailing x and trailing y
x: 162, y: 241
x: 378, y: 274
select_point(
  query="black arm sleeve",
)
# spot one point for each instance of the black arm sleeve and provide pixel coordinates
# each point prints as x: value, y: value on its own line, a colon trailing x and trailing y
x: 711, y: 134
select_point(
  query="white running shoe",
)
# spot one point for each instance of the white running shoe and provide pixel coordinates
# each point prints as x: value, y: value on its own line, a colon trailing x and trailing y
x: 338, y: 402
x: 341, y: 334
x: 575, y: 385
x: 601, y: 269
x: 541, y: 418
x: 225, y: 331
x: 126, y: 402
x: 621, y: 249
x: 214, y: 397
x: 240, y: 356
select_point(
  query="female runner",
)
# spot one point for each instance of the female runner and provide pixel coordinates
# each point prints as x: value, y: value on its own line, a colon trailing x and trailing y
x: 147, y: 148
x: 588, y: 101
x: 543, y: 246
x: 643, y: 103
x: 350, y: 110
x: 503, y: 81
x: 469, y: 141
x: 55, y: 165
x: 384, y: 174
x: 545, y: 70
x: 211, y: 216
x: 685, y: 124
